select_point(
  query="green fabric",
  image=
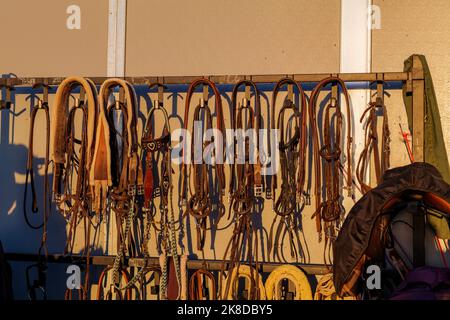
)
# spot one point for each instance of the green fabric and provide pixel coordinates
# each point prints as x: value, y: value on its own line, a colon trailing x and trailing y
x: 439, y: 223
x: 434, y: 149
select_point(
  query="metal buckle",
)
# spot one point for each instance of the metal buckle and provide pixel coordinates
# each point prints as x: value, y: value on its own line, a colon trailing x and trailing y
x: 131, y: 190
x: 268, y: 193
x: 258, y: 190
x: 156, y: 192
x: 140, y: 190
x: 307, y: 199
x: 57, y: 198
x: 154, y: 289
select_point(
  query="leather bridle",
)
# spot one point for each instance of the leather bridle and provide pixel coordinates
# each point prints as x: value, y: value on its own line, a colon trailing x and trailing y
x: 327, y: 158
x: 46, y: 200
x: 74, y: 204
x: 41, y: 266
x: 199, y: 205
x: 371, y: 144
x: 248, y: 186
x: 117, y: 171
x: 292, y: 153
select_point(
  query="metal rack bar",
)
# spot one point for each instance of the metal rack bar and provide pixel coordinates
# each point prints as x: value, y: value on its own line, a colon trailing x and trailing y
x: 222, y: 79
x: 213, y: 265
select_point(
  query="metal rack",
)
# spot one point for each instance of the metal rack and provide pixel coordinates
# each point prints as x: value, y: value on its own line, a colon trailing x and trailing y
x: 413, y: 80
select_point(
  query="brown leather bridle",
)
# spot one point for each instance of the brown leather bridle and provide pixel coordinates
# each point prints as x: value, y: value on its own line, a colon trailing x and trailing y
x: 371, y: 144
x: 72, y: 165
x: 248, y: 186
x: 292, y: 164
x: 199, y: 204
x: 327, y: 158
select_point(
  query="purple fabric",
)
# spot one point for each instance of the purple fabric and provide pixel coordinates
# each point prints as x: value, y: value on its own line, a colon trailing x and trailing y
x: 425, y: 283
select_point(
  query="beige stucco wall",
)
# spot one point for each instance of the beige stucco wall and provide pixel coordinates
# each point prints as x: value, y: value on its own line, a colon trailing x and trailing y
x: 38, y: 43
x: 420, y: 27
x: 232, y: 37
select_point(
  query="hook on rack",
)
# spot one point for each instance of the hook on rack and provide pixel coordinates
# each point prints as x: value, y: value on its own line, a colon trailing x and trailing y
x: 79, y: 102
x: 290, y: 92
x: 204, y: 99
x: 121, y: 101
x: 161, y: 88
x: 45, y: 87
x: 6, y: 102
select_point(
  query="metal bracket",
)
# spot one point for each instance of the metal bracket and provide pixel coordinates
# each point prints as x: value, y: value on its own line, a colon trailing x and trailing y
x: 6, y: 102
x: 161, y: 88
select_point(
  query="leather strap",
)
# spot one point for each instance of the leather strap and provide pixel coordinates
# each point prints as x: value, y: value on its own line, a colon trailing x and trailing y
x: 329, y: 208
x: 199, y: 204
x: 292, y: 151
x: 371, y: 144
x: 42, y: 106
x: 198, y: 289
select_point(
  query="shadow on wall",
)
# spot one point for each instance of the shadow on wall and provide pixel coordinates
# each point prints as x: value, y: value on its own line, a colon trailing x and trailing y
x: 15, y: 235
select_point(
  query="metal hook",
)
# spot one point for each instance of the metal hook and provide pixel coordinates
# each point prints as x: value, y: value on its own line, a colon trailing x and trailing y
x: 6, y: 103
x: 161, y: 88
x: 44, y: 100
x: 202, y: 102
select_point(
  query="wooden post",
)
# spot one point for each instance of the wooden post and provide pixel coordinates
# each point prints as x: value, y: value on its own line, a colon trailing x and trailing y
x: 418, y: 141
x: 418, y: 112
